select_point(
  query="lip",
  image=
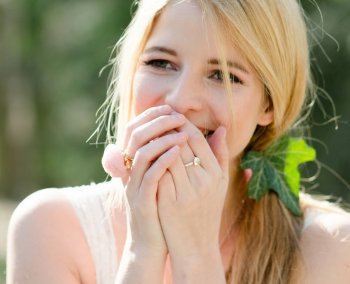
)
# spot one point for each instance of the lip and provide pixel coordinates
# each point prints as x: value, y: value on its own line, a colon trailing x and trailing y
x: 206, y: 132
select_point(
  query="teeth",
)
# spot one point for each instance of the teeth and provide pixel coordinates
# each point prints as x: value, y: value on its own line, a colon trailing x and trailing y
x: 207, y: 133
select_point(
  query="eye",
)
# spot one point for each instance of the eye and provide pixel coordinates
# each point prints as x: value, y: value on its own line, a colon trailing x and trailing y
x: 219, y: 76
x: 159, y: 64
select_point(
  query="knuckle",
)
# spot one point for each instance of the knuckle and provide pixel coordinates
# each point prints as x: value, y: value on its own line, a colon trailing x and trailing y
x: 148, y: 178
x: 141, y: 155
x: 136, y: 135
x: 149, y: 111
x: 168, y: 139
x: 162, y: 120
x: 159, y: 110
x: 129, y: 128
x: 162, y: 162
x: 196, y: 135
x: 169, y: 119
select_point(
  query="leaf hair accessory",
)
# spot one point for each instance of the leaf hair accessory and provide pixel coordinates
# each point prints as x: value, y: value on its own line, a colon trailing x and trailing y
x: 276, y: 169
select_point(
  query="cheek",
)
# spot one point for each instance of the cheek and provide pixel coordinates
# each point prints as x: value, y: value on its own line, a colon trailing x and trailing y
x: 243, y: 124
x: 147, y: 92
x: 236, y: 126
x: 241, y: 133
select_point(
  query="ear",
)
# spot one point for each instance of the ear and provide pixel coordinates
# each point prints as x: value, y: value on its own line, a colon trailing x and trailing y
x: 266, y: 115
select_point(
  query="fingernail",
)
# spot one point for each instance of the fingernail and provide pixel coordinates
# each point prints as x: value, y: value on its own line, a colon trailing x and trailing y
x: 179, y: 116
x: 165, y: 108
x: 247, y: 174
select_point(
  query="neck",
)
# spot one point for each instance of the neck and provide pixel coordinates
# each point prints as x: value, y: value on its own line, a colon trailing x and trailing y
x: 233, y: 203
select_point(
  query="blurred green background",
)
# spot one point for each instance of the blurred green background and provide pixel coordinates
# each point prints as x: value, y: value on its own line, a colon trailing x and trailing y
x: 51, y: 54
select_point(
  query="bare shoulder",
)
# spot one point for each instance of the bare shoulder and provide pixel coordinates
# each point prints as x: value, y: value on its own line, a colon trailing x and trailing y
x: 325, y: 246
x: 45, y: 240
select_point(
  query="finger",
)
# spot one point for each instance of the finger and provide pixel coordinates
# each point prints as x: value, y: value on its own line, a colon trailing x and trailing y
x: 144, y: 117
x: 184, y: 178
x: 186, y: 153
x: 199, y: 147
x: 149, y: 153
x: 247, y: 174
x: 113, y: 161
x: 153, y: 129
x: 166, y: 189
x: 217, y: 143
x: 149, y: 185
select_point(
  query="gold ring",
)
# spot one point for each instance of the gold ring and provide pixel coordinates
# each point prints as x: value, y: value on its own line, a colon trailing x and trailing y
x: 195, y: 162
x: 127, y: 161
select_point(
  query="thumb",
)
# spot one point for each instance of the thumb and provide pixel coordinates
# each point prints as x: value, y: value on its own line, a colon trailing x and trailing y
x: 113, y: 161
x: 247, y: 174
x: 218, y: 145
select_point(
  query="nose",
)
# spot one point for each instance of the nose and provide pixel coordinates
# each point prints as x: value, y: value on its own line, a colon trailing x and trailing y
x: 187, y: 94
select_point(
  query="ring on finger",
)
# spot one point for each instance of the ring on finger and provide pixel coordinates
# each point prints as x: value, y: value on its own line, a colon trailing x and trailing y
x: 195, y: 162
x: 127, y: 161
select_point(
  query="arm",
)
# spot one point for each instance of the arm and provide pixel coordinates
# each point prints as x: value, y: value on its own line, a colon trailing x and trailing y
x: 201, y: 268
x: 190, y: 206
x: 145, y: 251
x: 138, y: 266
x: 43, y: 238
x: 325, y: 246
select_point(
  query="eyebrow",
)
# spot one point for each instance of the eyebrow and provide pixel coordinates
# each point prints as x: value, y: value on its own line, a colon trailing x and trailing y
x: 234, y: 64
x: 161, y: 49
x: 211, y: 61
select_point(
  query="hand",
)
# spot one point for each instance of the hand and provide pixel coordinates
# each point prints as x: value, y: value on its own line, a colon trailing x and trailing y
x: 191, y: 198
x: 151, y: 140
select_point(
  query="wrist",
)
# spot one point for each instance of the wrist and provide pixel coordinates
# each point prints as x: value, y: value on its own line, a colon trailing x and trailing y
x: 142, y: 251
x: 197, y: 256
x: 139, y: 265
x: 199, y: 267
x: 195, y: 253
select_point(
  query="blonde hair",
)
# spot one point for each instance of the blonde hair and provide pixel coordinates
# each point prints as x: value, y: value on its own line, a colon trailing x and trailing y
x: 273, y: 37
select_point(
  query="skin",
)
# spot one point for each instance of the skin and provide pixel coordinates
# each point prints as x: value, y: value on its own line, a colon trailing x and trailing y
x: 173, y: 219
x: 184, y: 76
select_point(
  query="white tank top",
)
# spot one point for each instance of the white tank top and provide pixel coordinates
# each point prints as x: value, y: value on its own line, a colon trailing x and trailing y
x: 90, y: 204
x: 90, y: 207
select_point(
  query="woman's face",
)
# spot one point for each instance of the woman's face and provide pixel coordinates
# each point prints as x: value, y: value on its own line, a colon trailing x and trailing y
x: 180, y: 66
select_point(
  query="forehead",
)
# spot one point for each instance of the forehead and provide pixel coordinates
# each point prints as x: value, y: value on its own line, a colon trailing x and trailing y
x: 183, y: 23
x: 185, y: 27
x: 179, y: 18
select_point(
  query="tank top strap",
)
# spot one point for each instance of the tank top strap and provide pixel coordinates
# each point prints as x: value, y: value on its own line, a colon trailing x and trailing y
x: 89, y: 203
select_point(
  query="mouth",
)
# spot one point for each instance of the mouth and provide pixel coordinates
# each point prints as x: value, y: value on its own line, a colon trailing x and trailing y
x: 207, y: 133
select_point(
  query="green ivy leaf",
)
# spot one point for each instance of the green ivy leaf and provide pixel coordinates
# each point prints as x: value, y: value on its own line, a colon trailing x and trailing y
x: 277, y: 169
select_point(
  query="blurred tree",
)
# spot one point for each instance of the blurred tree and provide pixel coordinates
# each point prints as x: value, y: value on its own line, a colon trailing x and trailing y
x: 51, y: 54
x: 331, y: 61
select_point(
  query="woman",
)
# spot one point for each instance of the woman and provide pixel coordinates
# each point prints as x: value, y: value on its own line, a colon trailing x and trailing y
x: 200, y: 83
